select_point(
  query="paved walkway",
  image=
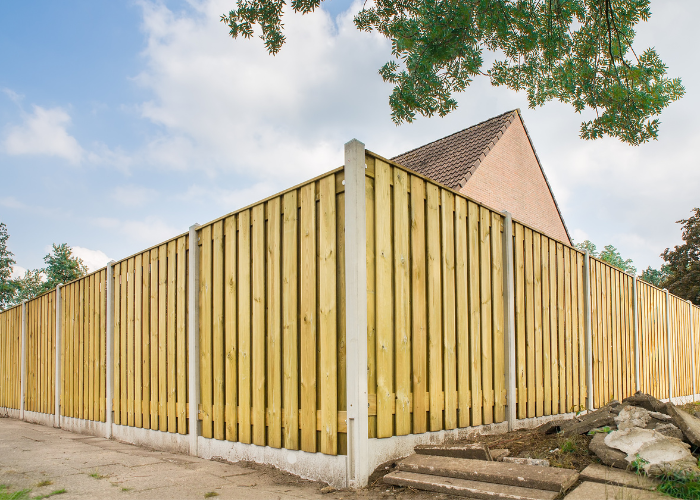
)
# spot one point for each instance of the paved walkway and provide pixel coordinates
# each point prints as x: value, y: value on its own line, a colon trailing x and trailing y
x: 91, y: 467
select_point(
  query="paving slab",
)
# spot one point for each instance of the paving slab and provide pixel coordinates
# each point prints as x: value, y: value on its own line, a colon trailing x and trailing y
x: 600, y: 491
x: 526, y: 476
x: 607, y: 475
x: 465, y: 487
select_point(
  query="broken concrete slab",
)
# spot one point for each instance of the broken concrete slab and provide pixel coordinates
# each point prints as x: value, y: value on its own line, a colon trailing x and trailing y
x: 607, y: 475
x: 474, y: 451
x: 600, y: 491
x: 669, y: 430
x: 582, y: 425
x: 687, y: 423
x: 647, y: 402
x: 632, y: 416
x: 526, y: 476
x: 466, y: 487
x: 539, y: 462
x: 606, y: 454
x: 499, y: 455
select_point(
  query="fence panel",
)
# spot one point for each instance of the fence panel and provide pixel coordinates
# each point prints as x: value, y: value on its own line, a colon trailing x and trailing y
x: 10, y: 365
x: 696, y: 344
x: 83, y: 349
x: 150, y: 338
x: 435, y: 306
x: 41, y: 353
x: 681, y: 362
x: 653, y: 360
x: 272, y: 321
x: 612, y: 333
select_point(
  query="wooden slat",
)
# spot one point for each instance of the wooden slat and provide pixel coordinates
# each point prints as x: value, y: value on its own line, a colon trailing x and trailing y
x: 146, y: 340
x: 530, y: 323
x: 181, y: 354
x: 371, y: 291
x: 130, y: 342
x: 561, y: 318
x: 117, y: 345
x: 462, y: 316
x: 448, y: 307
x: 499, y: 381
x: 205, y: 330
x: 290, y: 381
x: 520, y: 321
x: 574, y: 367
x: 91, y: 356
x: 434, y: 306
x: 163, y: 336
x: 80, y: 400
x: 418, y: 306
x: 546, y: 332
x: 341, y: 287
x: 537, y: 306
x: 327, y: 317
x: 274, y: 323
x: 171, y: 342
x: 244, y: 327
x: 486, y: 312
x: 217, y: 349
x: 103, y: 344
x: 258, y: 339
x: 230, y: 322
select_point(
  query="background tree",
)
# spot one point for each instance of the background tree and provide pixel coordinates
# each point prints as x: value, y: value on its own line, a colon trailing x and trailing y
x: 683, y: 262
x: 575, y: 51
x: 7, y: 284
x: 610, y: 255
x: 653, y: 276
x: 62, y: 266
x: 29, y: 286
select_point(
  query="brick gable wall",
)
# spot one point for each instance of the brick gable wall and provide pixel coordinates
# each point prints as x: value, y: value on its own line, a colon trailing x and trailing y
x: 510, y: 178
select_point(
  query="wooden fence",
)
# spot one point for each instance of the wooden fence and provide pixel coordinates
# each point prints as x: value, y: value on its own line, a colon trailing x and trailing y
x: 41, y: 353
x: 10, y: 362
x: 653, y: 340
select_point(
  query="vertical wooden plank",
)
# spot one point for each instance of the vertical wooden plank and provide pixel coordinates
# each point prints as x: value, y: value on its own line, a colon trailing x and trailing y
x: 569, y: 347
x: 205, y: 331
x: 258, y: 342
x: 91, y: 356
x: 537, y: 305
x: 217, y: 349
x: 96, y: 339
x: 553, y: 325
x: 447, y: 204
x: 577, y: 404
x: 290, y: 381
x: 486, y: 314
x: 474, y: 308
x: 419, y: 306
x: 462, y: 317
x: 581, y: 332
x: 80, y: 410
x: 371, y: 296
x: 384, y: 293
x: 546, y: 346
x: 154, y: 407
x: 138, y: 329
x: 146, y: 340
x: 130, y: 341
x: 103, y: 344
x: 520, y: 321
x: 182, y: 334
x: 117, y: 345
x: 274, y: 323
x: 341, y: 287
x: 244, y: 327
x: 435, y: 370
x: 563, y: 408
x: 171, y: 337
x: 163, y: 337
x: 499, y: 382
x: 530, y: 324
x: 328, y: 316
x: 402, y: 302
x: 230, y: 318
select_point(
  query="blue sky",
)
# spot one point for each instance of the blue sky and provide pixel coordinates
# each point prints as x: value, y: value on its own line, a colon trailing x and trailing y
x: 123, y: 123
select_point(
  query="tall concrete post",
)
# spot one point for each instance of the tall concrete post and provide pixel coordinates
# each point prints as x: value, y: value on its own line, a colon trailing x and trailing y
x: 356, y: 315
x: 587, y: 326
x: 635, y: 327
x: 692, y: 346
x: 509, y: 320
x: 193, y: 338
x: 668, y: 345
x: 23, y: 361
x: 109, y: 340
x: 57, y: 363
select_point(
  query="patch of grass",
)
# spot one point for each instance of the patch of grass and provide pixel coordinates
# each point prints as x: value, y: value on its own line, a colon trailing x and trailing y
x: 569, y: 446
x: 211, y: 494
x: 125, y: 489
x: 55, y: 492
x: 44, y: 483
x: 680, y: 485
x: 97, y: 475
x: 17, y: 495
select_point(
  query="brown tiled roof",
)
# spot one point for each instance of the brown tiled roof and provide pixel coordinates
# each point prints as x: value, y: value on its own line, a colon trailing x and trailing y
x: 453, y: 159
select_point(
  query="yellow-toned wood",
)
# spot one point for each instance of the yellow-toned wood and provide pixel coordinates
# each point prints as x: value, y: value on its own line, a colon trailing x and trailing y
x: 434, y: 305
x: 290, y: 370
x: 371, y: 292
x: 182, y: 334
x: 308, y: 317
x: 103, y: 344
x: 581, y: 331
x: 595, y: 337
x: 341, y: 286
x: 274, y: 322
x: 153, y: 407
x: 117, y: 345
x: 146, y: 340
x: 91, y: 346
x: 537, y: 306
x: 486, y: 312
x: 418, y: 304
x: 462, y: 314
x: 447, y: 207
x: 163, y: 336
x: 546, y: 332
x: 130, y: 342
x: 520, y: 321
x: 230, y: 322
x: 474, y: 308
x: 217, y: 349
x: 80, y: 400
x: 499, y: 381
x: 258, y: 339
x: 244, y: 326
x: 530, y: 323
x: 205, y: 330
x: 171, y: 339
x: 96, y: 339
x: 402, y: 301
x: 561, y: 361
x: 327, y: 310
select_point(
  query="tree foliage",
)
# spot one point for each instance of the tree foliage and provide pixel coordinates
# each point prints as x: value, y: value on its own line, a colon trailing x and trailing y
x: 683, y: 262
x: 575, y: 51
x: 610, y: 255
x: 7, y: 284
x: 62, y: 266
x: 653, y: 276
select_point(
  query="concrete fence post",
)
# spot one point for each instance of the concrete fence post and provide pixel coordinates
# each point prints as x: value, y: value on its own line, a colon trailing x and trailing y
x: 668, y: 345
x: 635, y: 327
x: 509, y: 319
x: 193, y: 338
x: 23, y: 361
x: 692, y: 346
x: 57, y: 372
x: 587, y: 326
x: 356, y: 315
x: 109, y: 340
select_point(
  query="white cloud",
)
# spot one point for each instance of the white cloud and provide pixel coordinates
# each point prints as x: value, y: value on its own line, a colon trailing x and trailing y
x: 133, y: 195
x: 18, y: 272
x: 93, y: 259
x: 44, y: 133
x: 143, y: 232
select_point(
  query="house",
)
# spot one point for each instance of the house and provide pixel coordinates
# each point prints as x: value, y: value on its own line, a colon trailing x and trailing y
x: 494, y: 163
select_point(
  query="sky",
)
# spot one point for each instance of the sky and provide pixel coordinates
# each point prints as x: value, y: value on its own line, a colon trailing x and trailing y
x: 124, y: 123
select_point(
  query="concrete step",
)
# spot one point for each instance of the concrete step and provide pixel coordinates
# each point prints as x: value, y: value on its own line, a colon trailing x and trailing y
x: 465, y: 487
x: 474, y: 451
x: 600, y: 491
x: 607, y: 475
x: 524, y: 476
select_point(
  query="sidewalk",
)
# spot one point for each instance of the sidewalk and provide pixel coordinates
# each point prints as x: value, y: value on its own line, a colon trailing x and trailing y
x: 91, y: 467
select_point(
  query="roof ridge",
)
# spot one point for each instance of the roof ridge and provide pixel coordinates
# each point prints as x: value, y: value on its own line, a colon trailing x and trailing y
x: 459, y: 132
